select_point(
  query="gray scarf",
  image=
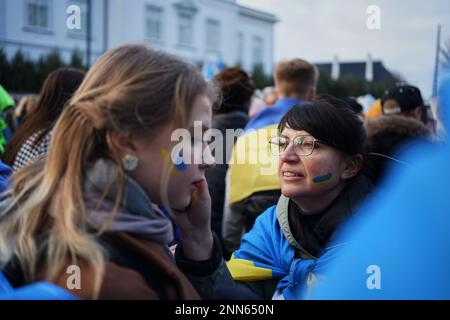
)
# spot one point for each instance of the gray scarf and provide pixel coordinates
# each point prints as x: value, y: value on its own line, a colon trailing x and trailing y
x: 136, y: 214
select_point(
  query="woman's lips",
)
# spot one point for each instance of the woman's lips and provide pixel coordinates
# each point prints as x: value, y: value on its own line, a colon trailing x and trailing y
x: 287, y: 175
x: 197, y: 182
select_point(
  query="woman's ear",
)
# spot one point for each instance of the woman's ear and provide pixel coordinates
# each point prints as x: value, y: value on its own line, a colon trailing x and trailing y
x: 353, y: 166
x: 121, y: 143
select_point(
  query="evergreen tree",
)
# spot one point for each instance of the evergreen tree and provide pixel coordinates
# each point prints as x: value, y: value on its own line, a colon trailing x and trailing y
x: 76, y: 60
x: 260, y: 78
x: 5, y: 70
x: 23, y: 74
x: 47, y: 64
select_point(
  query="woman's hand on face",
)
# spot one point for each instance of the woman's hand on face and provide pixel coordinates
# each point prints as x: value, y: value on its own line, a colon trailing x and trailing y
x: 195, y: 224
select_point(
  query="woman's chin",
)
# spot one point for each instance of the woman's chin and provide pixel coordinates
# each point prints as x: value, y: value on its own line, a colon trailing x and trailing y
x: 289, y: 192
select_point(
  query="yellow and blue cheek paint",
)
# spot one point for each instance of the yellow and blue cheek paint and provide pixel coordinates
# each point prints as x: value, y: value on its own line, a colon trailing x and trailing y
x: 177, y: 163
x: 322, y: 179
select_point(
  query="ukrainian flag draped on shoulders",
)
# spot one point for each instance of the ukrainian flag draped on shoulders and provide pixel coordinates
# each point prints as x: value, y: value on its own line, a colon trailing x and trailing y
x: 266, y: 253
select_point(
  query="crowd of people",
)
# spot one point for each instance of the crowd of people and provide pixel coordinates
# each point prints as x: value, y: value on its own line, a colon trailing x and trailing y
x: 92, y: 177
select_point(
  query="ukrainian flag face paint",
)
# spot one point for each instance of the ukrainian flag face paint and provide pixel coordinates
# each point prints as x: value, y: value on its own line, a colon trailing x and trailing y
x: 176, y: 163
x: 179, y: 163
x: 322, y: 179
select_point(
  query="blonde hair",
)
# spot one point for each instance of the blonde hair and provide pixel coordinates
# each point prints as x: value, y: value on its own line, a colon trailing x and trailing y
x: 25, y: 107
x: 293, y: 78
x: 132, y: 89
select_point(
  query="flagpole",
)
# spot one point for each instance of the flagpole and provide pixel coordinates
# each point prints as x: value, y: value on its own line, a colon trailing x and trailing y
x: 436, y: 65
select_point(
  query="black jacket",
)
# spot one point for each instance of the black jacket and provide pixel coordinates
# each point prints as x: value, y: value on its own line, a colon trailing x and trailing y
x: 216, y: 176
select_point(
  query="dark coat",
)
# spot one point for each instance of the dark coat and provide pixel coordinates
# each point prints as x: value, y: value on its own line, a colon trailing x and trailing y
x: 216, y: 176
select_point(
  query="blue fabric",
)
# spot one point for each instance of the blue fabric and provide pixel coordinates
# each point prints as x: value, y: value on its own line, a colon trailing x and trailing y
x: 266, y: 247
x: 38, y: 291
x: 294, y: 285
x: 273, y: 115
x: 5, y: 286
x: 35, y: 291
x: 407, y: 235
x: 210, y: 69
x: 5, y: 172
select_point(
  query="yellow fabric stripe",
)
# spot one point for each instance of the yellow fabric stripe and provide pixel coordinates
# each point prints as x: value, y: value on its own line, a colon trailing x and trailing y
x: 253, y: 168
x: 245, y: 270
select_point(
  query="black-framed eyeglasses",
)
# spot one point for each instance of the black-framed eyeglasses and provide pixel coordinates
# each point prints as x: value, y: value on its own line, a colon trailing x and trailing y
x: 303, y: 145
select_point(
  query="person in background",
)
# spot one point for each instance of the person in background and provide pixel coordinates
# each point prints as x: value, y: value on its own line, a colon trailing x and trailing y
x: 355, y: 106
x: 24, y: 109
x: 388, y: 138
x: 374, y: 111
x: 257, y: 104
x: 6, y: 104
x: 32, y: 138
x: 270, y: 96
x: 237, y: 89
x: 5, y: 172
x: 403, y: 100
x: 295, y: 81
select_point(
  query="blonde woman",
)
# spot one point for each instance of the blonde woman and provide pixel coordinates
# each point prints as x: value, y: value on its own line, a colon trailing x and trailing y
x: 93, y: 202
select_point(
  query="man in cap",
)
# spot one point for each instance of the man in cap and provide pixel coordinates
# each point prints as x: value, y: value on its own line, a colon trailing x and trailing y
x: 403, y: 100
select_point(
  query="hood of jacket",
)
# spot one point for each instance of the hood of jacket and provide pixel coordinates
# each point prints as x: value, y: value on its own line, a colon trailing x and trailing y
x: 396, y: 125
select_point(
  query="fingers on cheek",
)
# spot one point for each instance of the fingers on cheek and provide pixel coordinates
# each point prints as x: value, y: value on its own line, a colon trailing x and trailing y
x: 196, y: 194
x: 194, y: 197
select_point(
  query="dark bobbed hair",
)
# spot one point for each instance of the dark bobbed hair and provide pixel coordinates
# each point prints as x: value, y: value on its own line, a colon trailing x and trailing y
x: 236, y: 88
x: 58, y: 88
x: 331, y: 120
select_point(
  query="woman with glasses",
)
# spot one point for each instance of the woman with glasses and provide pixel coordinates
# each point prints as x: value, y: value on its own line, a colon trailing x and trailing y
x: 320, y: 148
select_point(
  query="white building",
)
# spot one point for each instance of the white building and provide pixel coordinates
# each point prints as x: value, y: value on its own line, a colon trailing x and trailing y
x: 199, y: 31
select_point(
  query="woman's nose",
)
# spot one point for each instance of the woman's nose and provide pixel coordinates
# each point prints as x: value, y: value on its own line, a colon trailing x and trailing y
x: 289, y: 154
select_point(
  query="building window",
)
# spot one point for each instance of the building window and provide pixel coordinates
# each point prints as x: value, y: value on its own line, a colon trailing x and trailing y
x: 37, y: 14
x: 212, y: 35
x: 240, y: 48
x: 153, y: 22
x: 258, y: 50
x: 82, y: 31
x: 185, y: 29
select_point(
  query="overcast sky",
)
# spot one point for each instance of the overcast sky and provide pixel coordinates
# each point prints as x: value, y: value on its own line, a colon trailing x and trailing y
x: 316, y: 30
